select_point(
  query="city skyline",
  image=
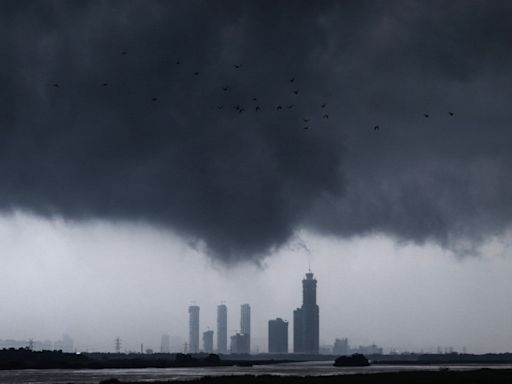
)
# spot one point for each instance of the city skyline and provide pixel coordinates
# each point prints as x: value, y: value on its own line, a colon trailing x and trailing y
x: 305, y: 334
x: 360, y: 329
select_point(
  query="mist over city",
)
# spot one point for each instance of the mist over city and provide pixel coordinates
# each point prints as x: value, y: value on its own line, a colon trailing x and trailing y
x: 343, y: 166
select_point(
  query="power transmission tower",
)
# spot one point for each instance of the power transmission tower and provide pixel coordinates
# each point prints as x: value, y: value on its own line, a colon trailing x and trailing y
x: 31, y: 344
x: 117, y: 344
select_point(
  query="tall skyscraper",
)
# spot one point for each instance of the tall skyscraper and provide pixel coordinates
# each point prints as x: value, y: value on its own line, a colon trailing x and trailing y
x: 208, y: 341
x: 165, y: 345
x: 245, y: 326
x: 306, y: 325
x: 277, y: 336
x: 222, y: 329
x: 193, y: 327
x: 245, y: 319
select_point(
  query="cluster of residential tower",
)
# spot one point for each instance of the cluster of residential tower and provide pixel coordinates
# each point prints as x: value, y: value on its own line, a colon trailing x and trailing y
x: 305, y: 328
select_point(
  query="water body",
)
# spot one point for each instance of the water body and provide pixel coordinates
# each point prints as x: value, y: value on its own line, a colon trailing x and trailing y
x: 94, y: 376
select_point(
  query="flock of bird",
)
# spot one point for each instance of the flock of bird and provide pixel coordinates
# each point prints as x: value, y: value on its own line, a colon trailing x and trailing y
x: 257, y: 107
x: 279, y: 107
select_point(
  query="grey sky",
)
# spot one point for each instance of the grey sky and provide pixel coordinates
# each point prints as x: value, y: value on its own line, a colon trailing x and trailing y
x: 104, y: 173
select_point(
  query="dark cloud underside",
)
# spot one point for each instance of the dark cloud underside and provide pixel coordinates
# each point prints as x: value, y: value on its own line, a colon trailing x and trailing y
x: 116, y: 110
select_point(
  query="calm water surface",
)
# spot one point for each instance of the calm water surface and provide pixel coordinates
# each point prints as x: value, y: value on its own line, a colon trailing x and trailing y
x: 94, y: 376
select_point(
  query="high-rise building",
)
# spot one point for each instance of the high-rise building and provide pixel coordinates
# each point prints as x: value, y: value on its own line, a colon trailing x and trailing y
x: 277, y: 336
x: 240, y: 343
x: 208, y: 341
x: 193, y: 326
x: 165, y: 345
x: 222, y: 329
x: 306, y: 325
x: 245, y: 326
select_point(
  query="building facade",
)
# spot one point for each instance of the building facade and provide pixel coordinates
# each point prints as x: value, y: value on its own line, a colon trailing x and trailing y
x: 277, y: 336
x: 208, y: 341
x: 306, y: 324
x: 193, y: 324
x: 245, y: 327
x: 222, y: 329
x: 240, y: 343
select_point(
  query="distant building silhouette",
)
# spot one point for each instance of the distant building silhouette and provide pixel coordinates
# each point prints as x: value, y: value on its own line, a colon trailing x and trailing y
x: 165, y: 345
x: 240, y: 343
x: 193, y: 324
x: 306, y: 325
x: 222, y: 329
x: 208, y: 341
x: 277, y: 336
x: 67, y: 344
x: 368, y: 350
x: 245, y: 326
x: 341, y: 347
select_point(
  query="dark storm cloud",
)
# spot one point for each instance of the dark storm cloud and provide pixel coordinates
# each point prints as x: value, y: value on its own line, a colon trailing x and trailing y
x: 116, y: 110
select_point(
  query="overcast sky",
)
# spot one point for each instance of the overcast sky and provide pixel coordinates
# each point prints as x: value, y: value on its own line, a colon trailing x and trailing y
x: 158, y: 153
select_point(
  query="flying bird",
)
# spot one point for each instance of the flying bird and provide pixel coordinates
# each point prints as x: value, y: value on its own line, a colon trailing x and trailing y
x: 279, y: 107
x: 237, y: 66
x: 105, y: 84
x: 254, y: 99
x: 56, y: 85
x: 123, y: 53
x: 324, y: 105
x: 290, y: 106
x: 219, y: 107
x: 426, y: 115
x: 196, y: 73
x: 241, y: 110
x: 326, y: 116
x: 292, y: 79
x: 257, y: 108
x: 178, y: 62
x: 296, y: 91
x: 451, y: 113
x: 376, y: 128
x: 225, y: 88
x: 306, y: 127
x: 154, y: 99
x: 306, y: 120
x: 238, y: 107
